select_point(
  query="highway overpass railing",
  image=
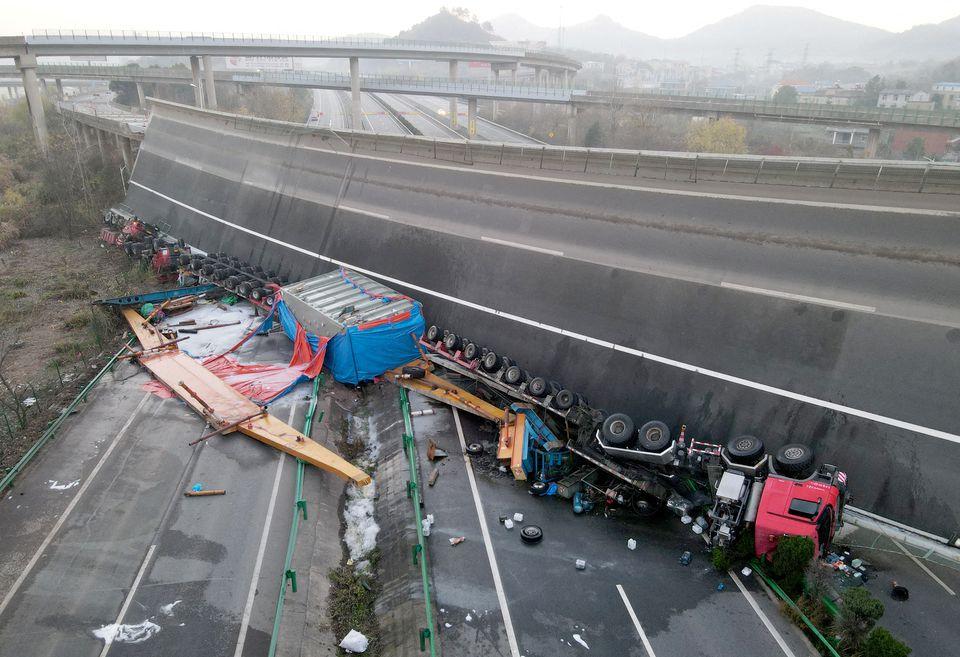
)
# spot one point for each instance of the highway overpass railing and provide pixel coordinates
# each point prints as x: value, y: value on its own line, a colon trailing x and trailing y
x: 877, y: 116
x: 879, y: 175
x: 114, y: 121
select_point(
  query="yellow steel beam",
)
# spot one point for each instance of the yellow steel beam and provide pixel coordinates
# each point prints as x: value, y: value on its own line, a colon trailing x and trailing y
x: 221, y: 405
x: 442, y: 390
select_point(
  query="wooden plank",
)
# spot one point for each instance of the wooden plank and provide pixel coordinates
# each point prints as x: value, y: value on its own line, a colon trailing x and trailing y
x: 516, y: 455
x: 180, y: 372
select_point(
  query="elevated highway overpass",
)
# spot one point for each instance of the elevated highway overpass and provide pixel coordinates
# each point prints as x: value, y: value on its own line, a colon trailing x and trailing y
x: 825, y: 318
x: 472, y: 90
x: 202, y: 46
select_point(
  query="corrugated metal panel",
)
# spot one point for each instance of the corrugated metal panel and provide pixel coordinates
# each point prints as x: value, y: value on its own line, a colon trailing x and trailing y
x: 331, y: 302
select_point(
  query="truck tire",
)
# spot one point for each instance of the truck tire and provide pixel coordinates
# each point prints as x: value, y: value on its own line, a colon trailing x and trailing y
x: 413, y: 371
x: 745, y: 449
x: 531, y: 534
x: 654, y: 436
x: 794, y: 460
x: 554, y: 387
x: 513, y: 375
x: 564, y: 400
x: 471, y: 351
x: 433, y: 334
x: 537, y: 386
x: 244, y: 289
x: 618, y: 430
x: 475, y: 449
x: 451, y: 342
x: 491, y: 362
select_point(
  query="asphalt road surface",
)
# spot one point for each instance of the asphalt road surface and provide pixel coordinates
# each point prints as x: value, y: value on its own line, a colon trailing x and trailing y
x: 486, y: 130
x: 98, y: 531
x: 429, y: 124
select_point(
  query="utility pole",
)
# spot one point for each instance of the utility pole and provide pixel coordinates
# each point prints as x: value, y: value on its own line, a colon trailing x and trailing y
x: 736, y: 60
x: 769, y: 60
x: 806, y: 53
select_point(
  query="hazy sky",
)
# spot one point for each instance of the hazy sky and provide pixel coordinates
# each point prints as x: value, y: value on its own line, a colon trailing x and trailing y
x: 664, y: 19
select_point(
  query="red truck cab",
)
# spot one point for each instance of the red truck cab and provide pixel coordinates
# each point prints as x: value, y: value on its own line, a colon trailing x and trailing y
x: 811, y: 507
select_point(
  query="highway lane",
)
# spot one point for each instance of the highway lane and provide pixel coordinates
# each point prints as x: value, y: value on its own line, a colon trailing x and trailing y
x: 377, y: 119
x: 327, y: 110
x: 180, y: 569
x: 486, y: 130
x: 419, y: 226
x: 429, y: 124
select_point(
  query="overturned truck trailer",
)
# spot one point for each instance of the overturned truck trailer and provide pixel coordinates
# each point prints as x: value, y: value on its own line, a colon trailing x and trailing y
x: 725, y: 362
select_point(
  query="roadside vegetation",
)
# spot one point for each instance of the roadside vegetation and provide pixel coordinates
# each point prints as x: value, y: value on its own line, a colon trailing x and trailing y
x: 52, y: 340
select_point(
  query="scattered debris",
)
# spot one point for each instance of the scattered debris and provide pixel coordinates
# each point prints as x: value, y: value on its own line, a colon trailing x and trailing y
x: 579, y: 639
x: 426, y: 411
x: 56, y: 485
x: 425, y: 527
x: 475, y: 449
x: 468, y: 618
x: 721, y: 586
x: 457, y: 540
x: 508, y: 523
x: 898, y: 592
x: 447, y: 625
x: 686, y: 558
x: 746, y: 571
x: 208, y: 326
x: 204, y: 493
x: 354, y: 642
x: 518, y: 517
x: 29, y: 401
x: 434, y: 452
x: 631, y: 544
x: 432, y: 479
x: 167, y: 610
x: 138, y: 633
x: 581, y: 564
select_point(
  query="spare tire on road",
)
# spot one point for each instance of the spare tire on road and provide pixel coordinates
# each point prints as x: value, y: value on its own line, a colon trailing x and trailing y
x: 618, y: 430
x: 745, y: 449
x: 794, y: 460
x: 531, y: 534
x: 475, y: 449
x: 654, y: 436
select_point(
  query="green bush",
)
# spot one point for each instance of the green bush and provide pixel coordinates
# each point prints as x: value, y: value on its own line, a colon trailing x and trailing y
x: 720, y: 559
x: 880, y: 643
x: 790, y: 561
x: 859, y: 612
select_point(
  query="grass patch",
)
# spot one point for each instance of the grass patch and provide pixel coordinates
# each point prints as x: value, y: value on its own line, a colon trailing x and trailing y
x: 78, y: 321
x: 16, y: 294
x: 353, y: 598
x: 70, y: 287
x: 19, y: 282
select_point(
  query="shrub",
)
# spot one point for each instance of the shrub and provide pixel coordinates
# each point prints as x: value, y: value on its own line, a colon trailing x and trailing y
x: 720, y: 559
x: 790, y: 561
x: 880, y: 643
x: 858, y: 614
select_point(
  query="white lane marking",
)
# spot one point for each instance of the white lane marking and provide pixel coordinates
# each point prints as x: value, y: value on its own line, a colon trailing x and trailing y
x: 71, y: 506
x: 763, y: 617
x: 518, y: 245
x: 491, y: 557
x: 861, y: 207
x: 924, y: 568
x: 798, y: 297
x: 130, y: 594
x: 636, y: 622
x: 252, y: 593
x: 369, y: 213
x: 729, y: 378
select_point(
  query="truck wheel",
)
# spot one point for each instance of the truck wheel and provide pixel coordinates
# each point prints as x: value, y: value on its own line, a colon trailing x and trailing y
x: 745, y: 449
x: 531, y: 534
x: 654, y: 436
x: 794, y: 460
x: 451, y: 342
x: 513, y: 375
x: 645, y: 506
x: 554, y: 387
x: 564, y: 400
x: 490, y: 362
x: 413, y: 371
x: 618, y: 430
x: 537, y: 386
x: 471, y: 351
x: 475, y: 449
x: 433, y: 333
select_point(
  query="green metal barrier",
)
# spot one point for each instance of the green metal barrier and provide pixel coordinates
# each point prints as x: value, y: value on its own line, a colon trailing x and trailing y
x: 428, y: 633
x: 299, y: 508
x: 786, y: 598
x: 55, y: 425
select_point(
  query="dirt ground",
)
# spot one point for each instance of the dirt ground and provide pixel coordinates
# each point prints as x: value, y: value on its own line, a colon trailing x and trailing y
x: 52, y: 338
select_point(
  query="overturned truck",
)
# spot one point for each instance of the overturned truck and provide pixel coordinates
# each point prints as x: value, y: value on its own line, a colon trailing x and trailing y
x: 723, y: 491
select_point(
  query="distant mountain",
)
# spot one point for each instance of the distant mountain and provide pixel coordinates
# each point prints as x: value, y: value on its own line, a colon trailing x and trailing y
x: 786, y: 31
x: 444, y: 26
x: 783, y: 32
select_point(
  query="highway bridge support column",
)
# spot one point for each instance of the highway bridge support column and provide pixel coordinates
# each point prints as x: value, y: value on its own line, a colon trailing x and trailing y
x: 141, y: 97
x: 496, y: 81
x: 454, y: 122
x: 99, y: 134
x: 123, y: 145
x: 197, y: 82
x: 357, y: 119
x: 873, y: 143
x: 208, y: 84
x: 59, y: 89
x: 471, y: 117
x: 28, y: 69
x: 573, y: 137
